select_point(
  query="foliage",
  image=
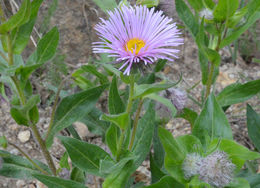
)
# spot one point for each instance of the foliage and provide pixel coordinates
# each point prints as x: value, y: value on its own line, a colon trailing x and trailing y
x: 129, y: 121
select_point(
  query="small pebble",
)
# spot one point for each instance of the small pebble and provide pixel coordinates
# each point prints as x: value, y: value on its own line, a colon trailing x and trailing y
x: 24, y: 136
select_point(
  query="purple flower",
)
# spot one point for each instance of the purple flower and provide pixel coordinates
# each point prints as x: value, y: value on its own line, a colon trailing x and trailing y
x: 137, y: 35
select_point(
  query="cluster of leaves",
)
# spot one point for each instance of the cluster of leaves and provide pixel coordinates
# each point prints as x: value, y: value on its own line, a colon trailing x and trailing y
x: 210, y: 128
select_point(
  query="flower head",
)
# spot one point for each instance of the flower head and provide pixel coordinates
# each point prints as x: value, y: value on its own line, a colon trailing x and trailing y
x: 191, y: 165
x: 137, y: 35
x: 217, y: 170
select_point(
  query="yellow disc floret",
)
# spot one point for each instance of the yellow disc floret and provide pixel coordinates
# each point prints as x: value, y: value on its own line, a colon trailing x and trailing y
x: 134, y: 44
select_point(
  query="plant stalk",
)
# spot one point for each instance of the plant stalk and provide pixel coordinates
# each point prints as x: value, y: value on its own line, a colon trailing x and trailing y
x: 29, y: 159
x: 43, y: 147
x: 37, y: 135
x: 137, y: 115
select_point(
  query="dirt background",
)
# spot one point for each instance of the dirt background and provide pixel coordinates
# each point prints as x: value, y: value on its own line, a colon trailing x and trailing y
x: 75, y: 20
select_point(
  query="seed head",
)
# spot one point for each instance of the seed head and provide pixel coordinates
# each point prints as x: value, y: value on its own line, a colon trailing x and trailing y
x: 217, y: 170
x: 191, y: 165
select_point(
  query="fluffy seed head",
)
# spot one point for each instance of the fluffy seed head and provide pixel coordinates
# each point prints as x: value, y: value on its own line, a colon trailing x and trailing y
x: 217, y: 170
x: 191, y: 165
x: 137, y: 35
x: 206, y: 13
x: 178, y: 97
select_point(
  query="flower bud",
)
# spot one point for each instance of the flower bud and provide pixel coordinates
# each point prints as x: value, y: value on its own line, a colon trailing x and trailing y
x: 217, y: 170
x: 178, y: 97
x: 191, y: 165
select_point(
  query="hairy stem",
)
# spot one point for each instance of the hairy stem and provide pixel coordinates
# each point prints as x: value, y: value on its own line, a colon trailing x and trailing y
x: 45, y: 152
x: 54, y: 108
x: 137, y: 115
x: 29, y: 159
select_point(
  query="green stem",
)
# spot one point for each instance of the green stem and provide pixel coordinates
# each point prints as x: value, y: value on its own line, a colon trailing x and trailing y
x: 29, y: 159
x: 128, y: 110
x: 131, y: 94
x: 37, y: 135
x: 212, y: 66
x: 54, y: 108
x: 45, y: 152
x: 120, y: 145
x: 137, y: 115
x: 209, y: 81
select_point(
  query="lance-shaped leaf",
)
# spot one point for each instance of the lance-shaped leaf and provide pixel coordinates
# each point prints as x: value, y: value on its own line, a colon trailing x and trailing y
x: 187, y: 17
x: 225, y: 9
x: 55, y: 182
x: 236, y: 93
x: 146, y: 89
x: 85, y: 156
x: 144, y: 135
x: 166, y: 182
x: 73, y: 108
x: 121, y: 120
x: 46, y: 47
x: 22, y: 36
x: 253, y: 126
x: 18, y: 167
x: 20, y: 18
x: 213, y: 121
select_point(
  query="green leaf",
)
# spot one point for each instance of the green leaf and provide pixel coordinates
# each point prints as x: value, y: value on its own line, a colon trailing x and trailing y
x: 23, y: 34
x: 175, y: 155
x: 156, y: 172
x: 189, y: 115
x: 209, y: 4
x: 254, y: 180
x: 212, y: 119
x: 253, y: 16
x: 18, y: 167
x: 239, y: 183
x: 225, y: 9
x: 197, y: 4
x: 106, y: 5
x: 160, y: 65
x: 167, y: 182
x: 237, y: 17
x: 146, y: 89
x: 3, y: 142
x: 115, y: 103
x: 54, y: 182
x: 119, y: 177
x: 121, y: 120
x: 72, y: 108
x: 144, y: 135
x: 253, y: 126
x: 236, y: 152
x: 164, y: 101
x: 85, y: 156
x: 18, y: 19
x: 93, y: 70
x: 187, y: 17
x: 159, y: 152
x: 46, y: 47
x: 236, y: 93
x: 64, y: 163
x: 148, y: 3
x: 112, y: 138
x: 23, y: 114
x: 77, y: 175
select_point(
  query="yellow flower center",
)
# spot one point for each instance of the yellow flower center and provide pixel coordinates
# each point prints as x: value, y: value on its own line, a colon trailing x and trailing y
x: 134, y: 44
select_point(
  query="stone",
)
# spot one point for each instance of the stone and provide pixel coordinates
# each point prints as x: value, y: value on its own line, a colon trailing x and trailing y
x: 24, y: 136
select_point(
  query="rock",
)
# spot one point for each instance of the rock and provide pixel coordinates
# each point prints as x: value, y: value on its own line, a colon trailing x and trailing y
x: 24, y: 136
x: 40, y: 185
x: 81, y: 129
x: 20, y: 183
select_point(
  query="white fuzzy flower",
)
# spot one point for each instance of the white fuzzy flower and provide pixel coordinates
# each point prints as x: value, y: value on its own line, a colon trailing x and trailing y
x: 191, y: 165
x: 206, y: 13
